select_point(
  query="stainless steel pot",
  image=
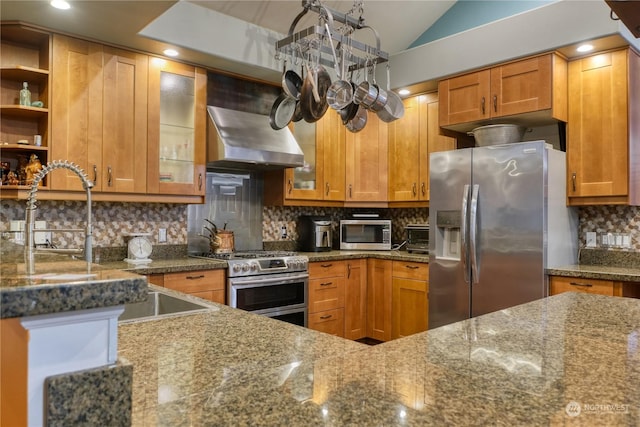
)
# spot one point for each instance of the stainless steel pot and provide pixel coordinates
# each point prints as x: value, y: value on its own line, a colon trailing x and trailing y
x: 497, y: 134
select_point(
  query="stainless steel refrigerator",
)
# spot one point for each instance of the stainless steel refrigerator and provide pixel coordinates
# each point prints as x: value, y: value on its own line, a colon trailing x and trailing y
x: 498, y: 218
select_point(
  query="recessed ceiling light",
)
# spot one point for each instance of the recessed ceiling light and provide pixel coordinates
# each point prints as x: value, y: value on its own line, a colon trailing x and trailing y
x: 585, y: 48
x: 60, y: 4
x: 404, y: 92
x: 170, y: 52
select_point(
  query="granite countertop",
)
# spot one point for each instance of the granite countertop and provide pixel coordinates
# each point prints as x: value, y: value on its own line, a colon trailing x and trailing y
x: 603, y: 272
x: 65, y: 285
x: 540, y: 363
x: 390, y: 255
x: 172, y: 265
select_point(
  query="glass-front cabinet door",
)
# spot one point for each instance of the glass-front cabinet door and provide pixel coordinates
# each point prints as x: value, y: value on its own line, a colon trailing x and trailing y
x: 303, y: 182
x: 177, y: 128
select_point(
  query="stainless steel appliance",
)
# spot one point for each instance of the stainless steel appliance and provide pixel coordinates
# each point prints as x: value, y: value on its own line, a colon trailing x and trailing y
x: 498, y: 218
x: 365, y: 234
x: 314, y: 233
x: 417, y: 236
x: 273, y: 284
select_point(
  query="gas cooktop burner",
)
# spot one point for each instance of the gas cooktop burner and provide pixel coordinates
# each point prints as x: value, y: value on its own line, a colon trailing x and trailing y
x: 244, y: 255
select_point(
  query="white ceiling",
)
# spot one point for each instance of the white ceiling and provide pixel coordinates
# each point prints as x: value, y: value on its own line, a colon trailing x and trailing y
x: 398, y: 22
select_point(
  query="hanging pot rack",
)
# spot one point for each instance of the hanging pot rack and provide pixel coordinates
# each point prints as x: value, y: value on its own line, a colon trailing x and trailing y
x: 360, y: 55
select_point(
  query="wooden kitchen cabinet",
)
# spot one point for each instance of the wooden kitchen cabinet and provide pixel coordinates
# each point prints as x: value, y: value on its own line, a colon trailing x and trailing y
x: 536, y: 86
x: 411, y: 140
x: 327, y: 297
x: 366, y: 175
x: 410, y: 296
x: 559, y: 284
x: 177, y: 96
x: 24, y: 57
x: 603, y: 132
x: 355, y: 289
x: 321, y: 180
x: 205, y: 284
x: 379, y: 294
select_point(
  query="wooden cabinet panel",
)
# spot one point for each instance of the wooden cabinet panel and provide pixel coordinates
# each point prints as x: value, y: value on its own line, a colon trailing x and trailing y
x: 355, y: 310
x: 326, y: 293
x: 464, y: 98
x: 411, y: 270
x: 379, y: 292
x: 124, y: 133
x: 322, y: 269
x: 330, y: 322
x: 558, y: 284
x: 367, y: 163
x: 332, y: 133
x: 410, y: 307
x: 208, y: 284
x: 602, y: 134
x: 76, y: 110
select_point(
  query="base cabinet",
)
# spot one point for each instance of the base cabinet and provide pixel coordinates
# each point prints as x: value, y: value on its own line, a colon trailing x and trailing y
x: 355, y: 295
x: 379, y: 292
x: 410, y: 298
x: 560, y: 284
x: 205, y: 284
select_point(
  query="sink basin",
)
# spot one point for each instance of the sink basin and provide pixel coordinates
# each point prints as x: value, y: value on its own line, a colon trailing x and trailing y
x: 159, y: 305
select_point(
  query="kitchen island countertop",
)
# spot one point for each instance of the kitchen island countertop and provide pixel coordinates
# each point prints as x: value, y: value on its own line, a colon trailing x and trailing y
x: 547, y: 362
x: 601, y: 272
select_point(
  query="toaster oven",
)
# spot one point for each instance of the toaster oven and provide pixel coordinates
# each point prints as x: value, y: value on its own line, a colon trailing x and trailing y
x: 417, y: 236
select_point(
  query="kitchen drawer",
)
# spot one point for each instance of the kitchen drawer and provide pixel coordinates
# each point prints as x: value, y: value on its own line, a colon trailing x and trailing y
x: 196, y: 281
x: 411, y: 270
x: 326, y: 269
x: 558, y: 284
x: 330, y: 322
x: 326, y: 294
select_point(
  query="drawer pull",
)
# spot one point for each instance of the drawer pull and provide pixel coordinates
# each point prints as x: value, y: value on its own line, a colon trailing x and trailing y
x: 326, y: 316
x: 412, y: 267
x: 326, y: 265
x: 201, y: 276
x: 326, y: 283
x: 584, y: 285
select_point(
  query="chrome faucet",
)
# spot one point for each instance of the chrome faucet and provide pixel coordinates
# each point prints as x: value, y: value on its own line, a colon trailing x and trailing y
x: 31, y: 211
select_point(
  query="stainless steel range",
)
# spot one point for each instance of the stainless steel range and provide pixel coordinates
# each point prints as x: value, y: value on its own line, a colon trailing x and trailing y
x: 273, y: 284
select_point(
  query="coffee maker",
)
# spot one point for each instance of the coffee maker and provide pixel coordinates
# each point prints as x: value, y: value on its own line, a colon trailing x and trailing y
x: 314, y: 233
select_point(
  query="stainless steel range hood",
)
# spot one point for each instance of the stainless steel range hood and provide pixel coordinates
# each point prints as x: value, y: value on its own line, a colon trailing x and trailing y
x: 246, y: 141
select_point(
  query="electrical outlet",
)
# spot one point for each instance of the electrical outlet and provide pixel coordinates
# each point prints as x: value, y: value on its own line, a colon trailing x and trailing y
x: 162, y: 235
x: 41, y: 237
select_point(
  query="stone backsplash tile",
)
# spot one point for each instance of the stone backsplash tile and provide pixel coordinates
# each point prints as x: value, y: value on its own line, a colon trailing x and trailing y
x: 610, y: 219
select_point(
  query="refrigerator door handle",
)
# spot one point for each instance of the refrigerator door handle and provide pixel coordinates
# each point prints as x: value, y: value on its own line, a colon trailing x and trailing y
x: 463, y: 231
x: 473, y: 234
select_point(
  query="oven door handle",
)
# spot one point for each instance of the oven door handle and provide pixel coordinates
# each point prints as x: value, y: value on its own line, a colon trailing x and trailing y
x: 252, y: 282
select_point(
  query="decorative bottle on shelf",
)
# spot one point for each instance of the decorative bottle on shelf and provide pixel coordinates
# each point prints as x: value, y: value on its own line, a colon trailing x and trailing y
x: 25, y: 94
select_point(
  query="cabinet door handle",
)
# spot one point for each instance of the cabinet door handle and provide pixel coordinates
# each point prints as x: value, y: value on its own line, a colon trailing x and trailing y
x: 200, y: 181
x: 200, y: 276
x: 423, y: 188
x: 482, y: 102
x: 414, y: 189
x: 495, y: 103
x: 326, y: 283
x: 326, y: 316
x: 573, y: 181
x: 95, y: 174
x: 109, y: 176
x: 290, y: 186
x: 584, y: 285
x: 348, y: 270
x: 412, y: 267
x: 327, y: 188
x: 326, y: 265
x: 350, y: 195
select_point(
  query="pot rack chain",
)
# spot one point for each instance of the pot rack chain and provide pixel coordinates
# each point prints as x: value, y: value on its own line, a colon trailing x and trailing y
x: 302, y: 43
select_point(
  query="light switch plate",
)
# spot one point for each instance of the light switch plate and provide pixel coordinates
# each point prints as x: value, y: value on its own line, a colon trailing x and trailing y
x: 162, y: 235
x: 591, y: 239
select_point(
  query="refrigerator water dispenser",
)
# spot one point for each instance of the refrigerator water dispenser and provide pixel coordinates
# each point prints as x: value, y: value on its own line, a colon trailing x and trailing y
x: 448, y: 234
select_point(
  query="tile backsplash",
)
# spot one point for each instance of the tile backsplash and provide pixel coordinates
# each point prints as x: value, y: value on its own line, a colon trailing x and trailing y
x: 111, y: 220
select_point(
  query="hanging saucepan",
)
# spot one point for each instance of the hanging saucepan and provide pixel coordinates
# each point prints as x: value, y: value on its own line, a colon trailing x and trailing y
x: 291, y: 83
x: 282, y: 111
x: 313, y: 95
x: 348, y: 112
x: 359, y: 121
x: 366, y: 93
x: 340, y: 93
x: 381, y: 99
x: 394, y: 108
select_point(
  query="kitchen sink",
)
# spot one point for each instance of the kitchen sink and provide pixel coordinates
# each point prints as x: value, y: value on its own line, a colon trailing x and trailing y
x: 159, y: 305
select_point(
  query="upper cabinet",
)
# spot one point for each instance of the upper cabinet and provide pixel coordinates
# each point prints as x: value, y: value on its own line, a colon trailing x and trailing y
x: 411, y: 140
x: 176, y: 128
x: 367, y: 163
x: 321, y: 179
x: 528, y: 91
x: 24, y: 57
x: 603, y: 132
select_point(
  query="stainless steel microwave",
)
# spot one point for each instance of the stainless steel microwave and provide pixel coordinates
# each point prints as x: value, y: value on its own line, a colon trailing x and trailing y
x: 365, y: 234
